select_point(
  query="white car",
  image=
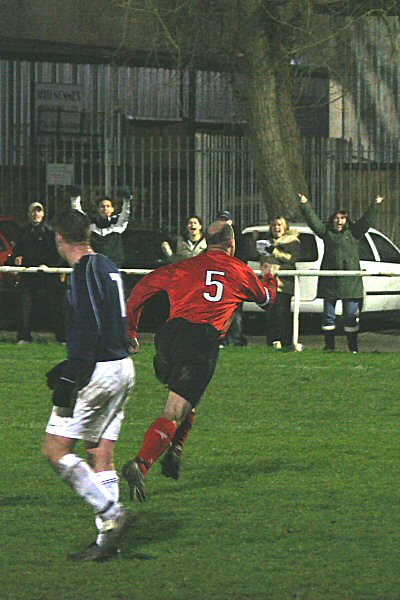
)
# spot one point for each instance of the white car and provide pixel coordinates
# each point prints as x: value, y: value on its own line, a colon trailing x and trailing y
x: 377, y: 255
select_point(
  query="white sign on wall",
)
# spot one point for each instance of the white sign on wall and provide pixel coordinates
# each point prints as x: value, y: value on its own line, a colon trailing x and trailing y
x: 59, y: 174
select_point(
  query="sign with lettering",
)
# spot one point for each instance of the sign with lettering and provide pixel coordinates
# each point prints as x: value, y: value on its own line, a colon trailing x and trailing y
x: 61, y: 95
x: 58, y: 107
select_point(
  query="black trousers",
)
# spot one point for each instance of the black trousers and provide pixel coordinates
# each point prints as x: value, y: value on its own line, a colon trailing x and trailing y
x: 45, y: 292
x: 279, y: 321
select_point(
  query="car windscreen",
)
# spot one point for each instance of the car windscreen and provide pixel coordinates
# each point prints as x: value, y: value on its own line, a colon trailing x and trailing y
x: 308, y: 253
x: 309, y: 250
x: 143, y: 248
x: 365, y: 249
x: 387, y: 251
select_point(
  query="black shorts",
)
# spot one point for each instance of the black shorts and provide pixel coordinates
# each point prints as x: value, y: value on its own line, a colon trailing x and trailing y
x: 186, y: 357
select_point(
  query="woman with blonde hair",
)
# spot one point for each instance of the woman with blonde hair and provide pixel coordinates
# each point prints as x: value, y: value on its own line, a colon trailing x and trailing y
x: 281, y: 247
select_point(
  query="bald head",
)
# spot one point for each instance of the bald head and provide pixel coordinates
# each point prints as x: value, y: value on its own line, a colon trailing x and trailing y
x: 221, y: 235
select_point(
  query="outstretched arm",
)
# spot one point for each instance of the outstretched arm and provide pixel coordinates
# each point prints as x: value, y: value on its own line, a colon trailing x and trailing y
x: 312, y: 219
x: 367, y: 220
x: 76, y: 202
x: 124, y: 215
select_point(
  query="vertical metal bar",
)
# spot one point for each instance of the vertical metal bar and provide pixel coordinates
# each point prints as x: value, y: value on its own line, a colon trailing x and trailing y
x: 188, y: 162
x: 296, y: 310
x: 178, y: 185
x: 123, y: 158
x: 242, y: 184
x: 151, y: 185
x: 107, y: 166
x: 199, y: 176
x: 160, y: 184
x: 133, y: 176
x: 169, y: 185
x: 142, y: 178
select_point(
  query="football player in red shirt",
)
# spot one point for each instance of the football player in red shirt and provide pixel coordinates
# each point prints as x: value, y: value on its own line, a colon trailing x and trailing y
x: 204, y: 293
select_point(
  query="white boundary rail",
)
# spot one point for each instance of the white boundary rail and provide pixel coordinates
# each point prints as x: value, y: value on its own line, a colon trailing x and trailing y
x: 295, y: 274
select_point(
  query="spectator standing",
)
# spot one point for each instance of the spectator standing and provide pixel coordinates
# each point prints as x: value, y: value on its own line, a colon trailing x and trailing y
x: 107, y: 226
x: 36, y: 247
x: 243, y: 252
x: 341, y: 239
x: 190, y: 244
x: 204, y: 293
x: 91, y: 387
x: 281, y: 247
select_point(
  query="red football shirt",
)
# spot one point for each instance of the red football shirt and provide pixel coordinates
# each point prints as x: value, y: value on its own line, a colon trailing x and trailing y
x: 205, y: 289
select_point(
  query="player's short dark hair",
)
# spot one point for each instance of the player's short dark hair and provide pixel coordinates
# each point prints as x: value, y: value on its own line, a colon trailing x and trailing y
x: 73, y: 225
x: 219, y: 233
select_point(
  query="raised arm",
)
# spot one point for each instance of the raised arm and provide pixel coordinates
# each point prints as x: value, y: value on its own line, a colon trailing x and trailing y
x: 312, y: 219
x: 75, y: 195
x: 367, y: 219
x: 124, y: 215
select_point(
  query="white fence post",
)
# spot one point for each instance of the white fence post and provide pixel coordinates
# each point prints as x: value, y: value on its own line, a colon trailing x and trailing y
x: 296, y: 311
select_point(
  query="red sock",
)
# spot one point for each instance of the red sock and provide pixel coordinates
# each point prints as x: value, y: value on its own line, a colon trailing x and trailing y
x: 157, y: 439
x: 183, y: 431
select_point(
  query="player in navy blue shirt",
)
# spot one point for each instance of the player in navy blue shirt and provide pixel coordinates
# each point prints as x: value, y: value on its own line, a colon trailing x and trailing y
x: 96, y: 315
x: 91, y: 387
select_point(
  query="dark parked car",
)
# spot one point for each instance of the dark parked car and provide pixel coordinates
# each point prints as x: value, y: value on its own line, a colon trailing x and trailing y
x: 142, y: 248
x: 9, y: 231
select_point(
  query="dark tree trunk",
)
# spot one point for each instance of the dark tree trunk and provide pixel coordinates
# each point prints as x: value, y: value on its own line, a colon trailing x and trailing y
x: 265, y: 91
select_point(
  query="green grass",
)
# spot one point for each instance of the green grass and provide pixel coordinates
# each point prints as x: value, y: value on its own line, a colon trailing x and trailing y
x: 290, y: 486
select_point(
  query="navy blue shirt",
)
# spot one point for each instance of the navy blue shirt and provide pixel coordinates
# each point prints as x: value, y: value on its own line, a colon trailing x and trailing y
x: 96, y: 315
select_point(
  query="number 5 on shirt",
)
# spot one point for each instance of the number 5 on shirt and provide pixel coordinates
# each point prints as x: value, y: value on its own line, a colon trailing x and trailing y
x: 218, y: 292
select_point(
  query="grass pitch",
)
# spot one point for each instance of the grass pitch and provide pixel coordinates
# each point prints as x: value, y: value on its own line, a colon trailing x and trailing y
x: 290, y: 486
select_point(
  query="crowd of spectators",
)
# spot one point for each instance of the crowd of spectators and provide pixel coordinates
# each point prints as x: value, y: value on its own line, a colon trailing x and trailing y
x: 281, y: 248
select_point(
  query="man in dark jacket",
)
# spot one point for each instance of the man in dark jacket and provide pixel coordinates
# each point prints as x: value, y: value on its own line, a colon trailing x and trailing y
x: 34, y: 248
x: 341, y: 239
x: 107, y: 226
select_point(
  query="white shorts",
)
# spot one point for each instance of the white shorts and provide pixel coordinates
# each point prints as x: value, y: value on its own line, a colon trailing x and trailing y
x: 98, y: 411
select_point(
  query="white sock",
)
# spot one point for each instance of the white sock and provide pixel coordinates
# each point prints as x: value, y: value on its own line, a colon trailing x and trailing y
x: 77, y: 473
x: 110, y: 481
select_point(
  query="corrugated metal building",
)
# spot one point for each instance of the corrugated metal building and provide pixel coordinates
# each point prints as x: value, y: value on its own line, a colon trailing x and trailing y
x: 174, y: 136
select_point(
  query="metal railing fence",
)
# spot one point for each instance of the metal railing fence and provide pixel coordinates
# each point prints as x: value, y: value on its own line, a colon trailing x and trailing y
x: 296, y: 274
x: 175, y: 176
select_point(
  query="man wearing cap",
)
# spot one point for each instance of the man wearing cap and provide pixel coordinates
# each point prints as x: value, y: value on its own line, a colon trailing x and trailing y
x: 235, y: 334
x: 36, y: 247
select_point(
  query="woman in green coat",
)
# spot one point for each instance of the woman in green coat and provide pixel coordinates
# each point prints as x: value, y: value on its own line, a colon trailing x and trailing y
x: 341, y: 240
